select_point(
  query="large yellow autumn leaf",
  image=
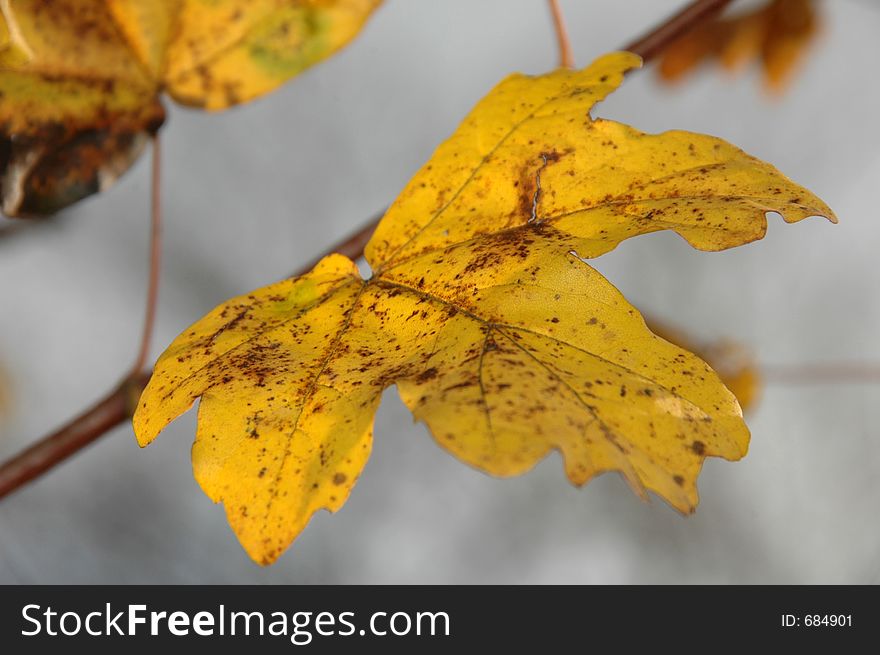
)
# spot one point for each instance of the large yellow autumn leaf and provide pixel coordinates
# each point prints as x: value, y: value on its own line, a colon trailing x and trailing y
x: 483, y: 313
x: 80, y: 79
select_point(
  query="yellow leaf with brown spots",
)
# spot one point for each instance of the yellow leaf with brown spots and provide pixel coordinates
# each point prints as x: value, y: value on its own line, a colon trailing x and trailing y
x: 483, y: 312
x: 81, y: 80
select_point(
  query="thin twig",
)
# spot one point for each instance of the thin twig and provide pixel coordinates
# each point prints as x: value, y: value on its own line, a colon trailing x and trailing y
x: 155, y: 258
x: 566, y: 59
x: 117, y: 406
x: 653, y: 43
x: 840, y: 373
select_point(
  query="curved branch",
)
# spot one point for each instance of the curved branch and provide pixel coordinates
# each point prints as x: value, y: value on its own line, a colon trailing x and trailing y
x: 119, y: 404
x: 155, y: 258
x: 106, y: 414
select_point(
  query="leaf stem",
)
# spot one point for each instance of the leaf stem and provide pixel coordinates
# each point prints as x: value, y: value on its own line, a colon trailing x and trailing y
x: 79, y: 432
x: 155, y: 257
x: 118, y: 405
x: 566, y: 59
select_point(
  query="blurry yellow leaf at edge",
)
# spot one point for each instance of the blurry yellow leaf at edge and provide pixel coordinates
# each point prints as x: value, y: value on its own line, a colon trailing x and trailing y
x: 81, y: 79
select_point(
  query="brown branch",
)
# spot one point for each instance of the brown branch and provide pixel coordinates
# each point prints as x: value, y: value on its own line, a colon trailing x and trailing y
x: 566, y: 59
x: 352, y: 246
x: 657, y: 40
x: 118, y: 406
x: 105, y: 415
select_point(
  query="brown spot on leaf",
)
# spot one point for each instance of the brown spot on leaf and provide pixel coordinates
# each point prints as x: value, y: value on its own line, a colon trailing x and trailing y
x: 426, y: 375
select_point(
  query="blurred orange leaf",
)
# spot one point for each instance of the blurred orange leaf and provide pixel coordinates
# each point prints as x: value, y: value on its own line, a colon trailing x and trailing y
x: 778, y: 35
x: 732, y: 361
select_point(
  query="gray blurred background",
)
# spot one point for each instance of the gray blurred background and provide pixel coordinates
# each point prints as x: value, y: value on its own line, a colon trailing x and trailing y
x: 255, y: 192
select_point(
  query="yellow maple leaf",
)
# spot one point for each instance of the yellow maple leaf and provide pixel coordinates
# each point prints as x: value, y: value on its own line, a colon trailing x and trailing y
x: 482, y: 311
x: 80, y: 80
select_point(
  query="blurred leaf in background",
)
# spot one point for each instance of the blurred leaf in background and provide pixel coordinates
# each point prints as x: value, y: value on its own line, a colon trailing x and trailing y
x: 732, y: 361
x: 777, y: 35
x: 80, y: 80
